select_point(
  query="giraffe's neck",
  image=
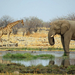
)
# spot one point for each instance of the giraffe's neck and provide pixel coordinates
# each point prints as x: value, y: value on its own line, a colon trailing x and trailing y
x: 10, y: 25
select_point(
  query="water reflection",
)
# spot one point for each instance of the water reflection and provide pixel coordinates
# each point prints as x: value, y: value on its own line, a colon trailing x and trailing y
x: 59, y: 60
x: 51, y: 62
x: 33, y: 62
x: 65, y: 62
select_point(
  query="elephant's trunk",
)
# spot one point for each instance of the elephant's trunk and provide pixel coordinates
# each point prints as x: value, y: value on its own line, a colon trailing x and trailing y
x: 51, y: 39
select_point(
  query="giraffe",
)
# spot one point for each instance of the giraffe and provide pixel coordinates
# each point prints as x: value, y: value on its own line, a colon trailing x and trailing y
x: 8, y: 29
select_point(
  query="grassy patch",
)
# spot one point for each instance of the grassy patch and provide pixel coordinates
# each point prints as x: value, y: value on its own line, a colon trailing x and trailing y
x: 38, y: 49
x: 27, y: 56
x: 46, y: 56
x: 54, y: 48
x: 50, y: 48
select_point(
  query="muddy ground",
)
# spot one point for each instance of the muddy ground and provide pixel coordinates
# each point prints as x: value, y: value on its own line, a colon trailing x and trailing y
x: 37, y: 69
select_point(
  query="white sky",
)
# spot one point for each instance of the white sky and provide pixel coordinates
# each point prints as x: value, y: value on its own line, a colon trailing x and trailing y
x: 42, y: 9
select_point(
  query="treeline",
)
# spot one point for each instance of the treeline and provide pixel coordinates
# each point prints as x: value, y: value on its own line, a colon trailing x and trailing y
x: 68, y: 17
x: 31, y: 23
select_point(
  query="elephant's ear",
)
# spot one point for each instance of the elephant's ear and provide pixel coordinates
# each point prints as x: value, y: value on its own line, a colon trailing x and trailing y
x: 65, y: 25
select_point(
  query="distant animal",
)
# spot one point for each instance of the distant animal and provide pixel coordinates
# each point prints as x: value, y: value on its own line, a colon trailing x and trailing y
x: 65, y: 28
x: 8, y: 29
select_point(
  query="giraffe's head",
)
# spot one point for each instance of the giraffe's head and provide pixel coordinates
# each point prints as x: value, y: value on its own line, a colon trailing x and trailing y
x: 22, y: 22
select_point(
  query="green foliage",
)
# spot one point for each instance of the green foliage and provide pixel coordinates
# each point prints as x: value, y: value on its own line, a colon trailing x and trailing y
x: 46, y: 56
x: 52, y: 48
x: 72, y: 67
x: 39, y: 49
x: 27, y: 56
x: 8, y: 55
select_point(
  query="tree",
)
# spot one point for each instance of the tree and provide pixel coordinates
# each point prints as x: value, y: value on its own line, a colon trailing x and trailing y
x: 32, y: 23
x: 68, y: 17
x: 5, y: 20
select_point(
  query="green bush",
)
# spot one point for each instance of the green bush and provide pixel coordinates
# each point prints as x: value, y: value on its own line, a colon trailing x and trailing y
x: 27, y: 56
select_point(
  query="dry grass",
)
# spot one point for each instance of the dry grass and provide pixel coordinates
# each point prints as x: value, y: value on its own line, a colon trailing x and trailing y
x: 39, y: 35
x: 38, y: 39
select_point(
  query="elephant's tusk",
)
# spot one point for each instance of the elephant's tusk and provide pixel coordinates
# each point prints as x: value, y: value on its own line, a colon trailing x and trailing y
x: 51, y: 35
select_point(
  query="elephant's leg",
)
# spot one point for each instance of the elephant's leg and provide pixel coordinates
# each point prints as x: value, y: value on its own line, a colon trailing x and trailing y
x: 67, y: 38
x: 62, y: 41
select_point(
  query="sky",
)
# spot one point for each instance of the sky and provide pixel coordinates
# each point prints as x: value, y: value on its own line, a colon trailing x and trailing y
x: 45, y: 10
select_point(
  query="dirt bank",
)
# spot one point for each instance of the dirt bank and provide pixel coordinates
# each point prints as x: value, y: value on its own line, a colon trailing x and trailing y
x: 4, y: 68
x: 35, y: 40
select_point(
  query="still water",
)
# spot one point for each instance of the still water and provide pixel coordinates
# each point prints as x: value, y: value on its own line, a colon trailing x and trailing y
x: 58, y: 60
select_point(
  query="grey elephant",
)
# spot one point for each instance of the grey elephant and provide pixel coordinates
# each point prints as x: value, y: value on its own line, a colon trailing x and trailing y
x: 65, y: 28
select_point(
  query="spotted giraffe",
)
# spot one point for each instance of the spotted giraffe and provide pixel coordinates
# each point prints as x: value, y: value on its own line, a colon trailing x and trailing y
x: 8, y: 29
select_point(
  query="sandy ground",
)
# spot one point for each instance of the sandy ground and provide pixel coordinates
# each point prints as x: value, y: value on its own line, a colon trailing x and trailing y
x: 35, y: 40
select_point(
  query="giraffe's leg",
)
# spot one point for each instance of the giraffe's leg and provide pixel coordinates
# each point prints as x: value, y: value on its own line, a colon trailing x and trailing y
x: 0, y: 36
x: 8, y: 34
x: 8, y: 39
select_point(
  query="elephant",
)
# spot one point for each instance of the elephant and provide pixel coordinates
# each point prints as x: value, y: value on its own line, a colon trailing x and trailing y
x: 64, y: 28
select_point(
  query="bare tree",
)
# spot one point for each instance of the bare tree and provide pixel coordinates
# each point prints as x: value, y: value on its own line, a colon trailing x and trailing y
x: 5, y: 20
x: 71, y: 17
x: 32, y: 24
x: 68, y: 17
